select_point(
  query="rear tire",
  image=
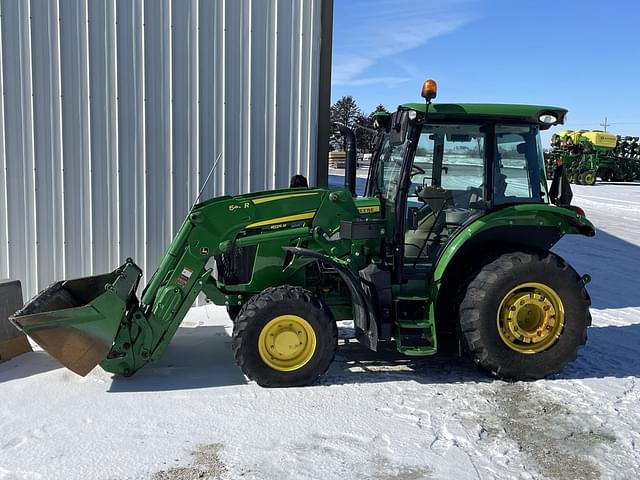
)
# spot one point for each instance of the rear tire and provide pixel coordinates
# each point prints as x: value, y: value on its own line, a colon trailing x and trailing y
x: 539, y: 288
x: 284, y: 337
x: 589, y: 178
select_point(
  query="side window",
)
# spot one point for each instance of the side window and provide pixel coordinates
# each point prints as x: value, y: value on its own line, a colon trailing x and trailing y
x: 451, y: 156
x: 463, y: 160
x: 516, y: 151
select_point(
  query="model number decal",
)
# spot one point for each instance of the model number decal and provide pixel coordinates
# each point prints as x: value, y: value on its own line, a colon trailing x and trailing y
x: 236, y: 207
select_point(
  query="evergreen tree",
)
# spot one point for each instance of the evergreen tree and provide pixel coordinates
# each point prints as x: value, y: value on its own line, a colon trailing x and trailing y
x: 365, y: 134
x: 347, y: 112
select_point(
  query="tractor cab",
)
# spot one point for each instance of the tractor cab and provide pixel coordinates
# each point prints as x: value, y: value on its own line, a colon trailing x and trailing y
x: 440, y: 167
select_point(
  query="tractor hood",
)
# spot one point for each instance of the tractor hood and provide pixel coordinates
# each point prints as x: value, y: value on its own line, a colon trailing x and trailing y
x: 290, y: 208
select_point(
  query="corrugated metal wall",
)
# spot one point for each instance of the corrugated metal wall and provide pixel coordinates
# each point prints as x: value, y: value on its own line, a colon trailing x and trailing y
x: 113, y: 112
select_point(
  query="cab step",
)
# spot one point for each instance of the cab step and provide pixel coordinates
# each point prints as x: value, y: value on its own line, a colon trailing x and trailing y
x: 414, y: 333
x: 416, y: 338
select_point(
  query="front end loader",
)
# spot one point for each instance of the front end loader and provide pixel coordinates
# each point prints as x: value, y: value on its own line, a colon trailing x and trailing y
x: 453, y: 235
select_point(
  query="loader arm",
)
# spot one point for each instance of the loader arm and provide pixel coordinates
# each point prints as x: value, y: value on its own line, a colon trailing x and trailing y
x: 65, y: 315
x: 212, y: 228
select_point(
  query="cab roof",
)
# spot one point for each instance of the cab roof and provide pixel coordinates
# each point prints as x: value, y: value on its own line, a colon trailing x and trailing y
x: 502, y: 111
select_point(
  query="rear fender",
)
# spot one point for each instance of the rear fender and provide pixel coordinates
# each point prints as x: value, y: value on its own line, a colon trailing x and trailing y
x: 533, y: 226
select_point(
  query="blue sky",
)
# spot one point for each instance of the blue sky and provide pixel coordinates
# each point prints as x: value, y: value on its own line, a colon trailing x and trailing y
x: 581, y: 55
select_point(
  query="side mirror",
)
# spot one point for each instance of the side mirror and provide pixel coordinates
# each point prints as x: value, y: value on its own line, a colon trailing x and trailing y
x: 560, y: 191
x: 398, y: 128
x: 382, y: 120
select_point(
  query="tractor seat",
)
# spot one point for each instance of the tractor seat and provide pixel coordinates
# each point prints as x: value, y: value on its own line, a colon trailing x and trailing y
x: 450, y: 218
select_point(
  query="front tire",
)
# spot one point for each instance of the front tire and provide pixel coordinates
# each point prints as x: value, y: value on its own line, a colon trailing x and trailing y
x: 524, y: 316
x: 284, y: 337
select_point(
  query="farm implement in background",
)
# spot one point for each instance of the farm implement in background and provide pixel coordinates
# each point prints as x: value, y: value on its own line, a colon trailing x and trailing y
x: 591, y: 154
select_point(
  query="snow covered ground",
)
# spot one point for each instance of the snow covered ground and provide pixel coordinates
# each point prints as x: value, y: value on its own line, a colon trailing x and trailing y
x: 193, y: 415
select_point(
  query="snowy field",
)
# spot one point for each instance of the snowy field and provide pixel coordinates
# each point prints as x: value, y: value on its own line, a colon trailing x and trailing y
x: 193, y: 415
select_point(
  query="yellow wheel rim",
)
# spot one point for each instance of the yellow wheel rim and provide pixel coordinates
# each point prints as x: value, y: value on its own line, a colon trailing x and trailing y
x: 588, y: 178
x: 287, y: 343
x: 530, y: 318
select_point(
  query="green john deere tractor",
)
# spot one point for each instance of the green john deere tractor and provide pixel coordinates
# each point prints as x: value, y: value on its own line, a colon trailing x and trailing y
x: 453, y: 235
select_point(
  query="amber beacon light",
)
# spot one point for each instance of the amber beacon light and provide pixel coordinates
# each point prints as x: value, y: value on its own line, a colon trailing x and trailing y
x: 429, y: 90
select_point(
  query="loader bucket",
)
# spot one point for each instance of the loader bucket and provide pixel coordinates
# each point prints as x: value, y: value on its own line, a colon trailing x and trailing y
x: 76, y: 321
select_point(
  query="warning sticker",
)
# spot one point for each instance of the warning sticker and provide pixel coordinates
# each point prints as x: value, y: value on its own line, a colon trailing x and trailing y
x: 184, y: 277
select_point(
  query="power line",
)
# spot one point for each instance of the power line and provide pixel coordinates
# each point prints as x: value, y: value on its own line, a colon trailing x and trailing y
x: 605, y: 124
x: 593, y: 124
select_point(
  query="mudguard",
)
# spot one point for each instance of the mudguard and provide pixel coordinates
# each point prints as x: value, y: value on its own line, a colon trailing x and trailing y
x: 364, y: 312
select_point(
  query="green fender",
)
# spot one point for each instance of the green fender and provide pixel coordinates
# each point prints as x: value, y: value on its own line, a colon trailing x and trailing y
x: 533, y: 225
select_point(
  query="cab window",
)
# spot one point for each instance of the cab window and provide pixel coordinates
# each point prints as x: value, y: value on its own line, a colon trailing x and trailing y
x: 517, y: 165
x: 452, y: 157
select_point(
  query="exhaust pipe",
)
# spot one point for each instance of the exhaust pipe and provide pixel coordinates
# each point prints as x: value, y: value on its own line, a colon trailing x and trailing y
x: 350, y: 160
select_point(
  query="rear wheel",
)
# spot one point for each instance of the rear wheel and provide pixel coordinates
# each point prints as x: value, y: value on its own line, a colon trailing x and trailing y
x: 284, y: 336
x: 524, y: 316
x: 589, y: 178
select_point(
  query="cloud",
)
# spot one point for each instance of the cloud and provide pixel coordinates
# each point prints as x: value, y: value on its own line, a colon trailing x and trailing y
x: 371, y: 31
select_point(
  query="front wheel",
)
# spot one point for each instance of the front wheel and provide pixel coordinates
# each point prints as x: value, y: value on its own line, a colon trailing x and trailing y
x: 284, y: 336
x: 524, y: 316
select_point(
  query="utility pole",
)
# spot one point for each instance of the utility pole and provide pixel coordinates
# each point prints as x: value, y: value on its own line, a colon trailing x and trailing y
x: 605, y: 124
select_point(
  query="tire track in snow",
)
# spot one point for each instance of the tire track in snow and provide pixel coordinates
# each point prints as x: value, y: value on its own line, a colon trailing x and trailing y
x: 548, y: 434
